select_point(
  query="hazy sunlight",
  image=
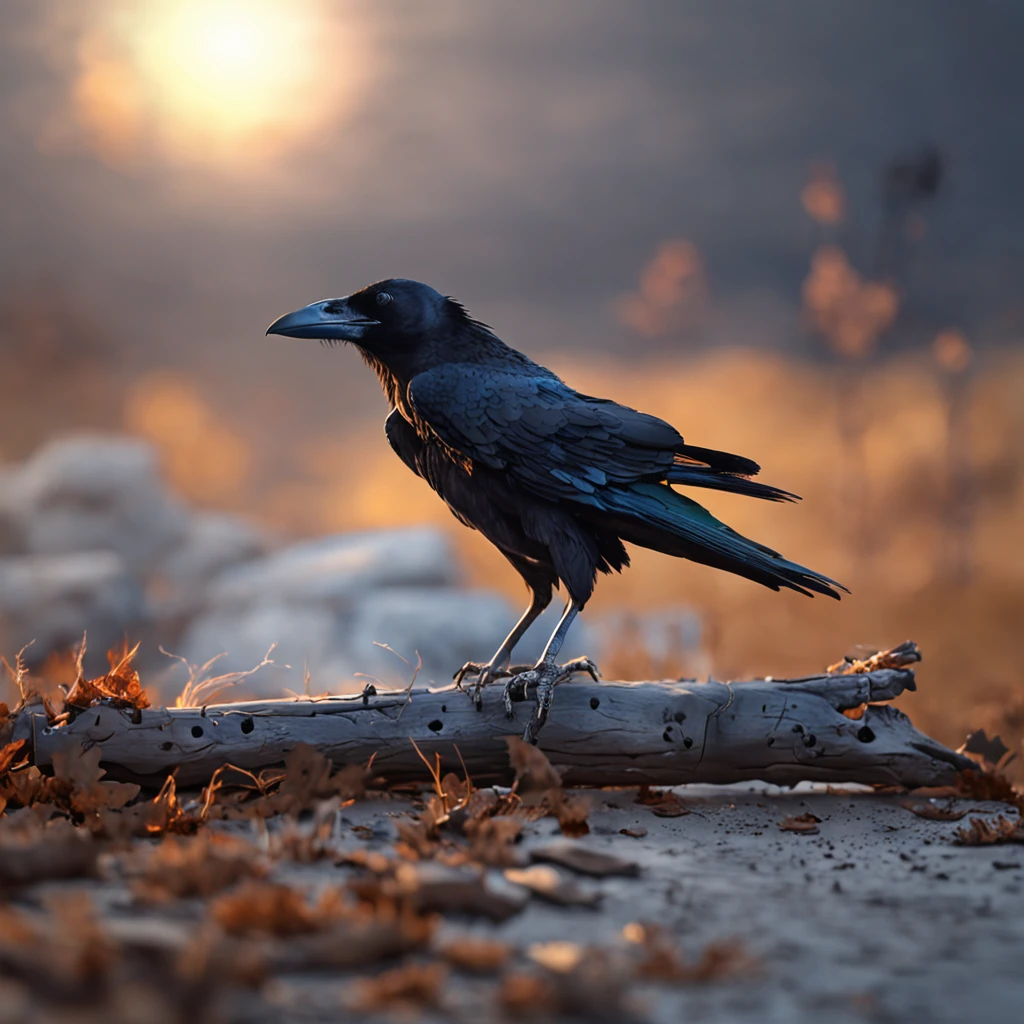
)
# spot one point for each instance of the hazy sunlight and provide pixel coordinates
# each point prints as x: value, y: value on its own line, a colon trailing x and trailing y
x: 212, y: 75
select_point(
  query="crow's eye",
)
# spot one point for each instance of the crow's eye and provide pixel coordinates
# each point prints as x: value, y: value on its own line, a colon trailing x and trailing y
x: 383, y: 298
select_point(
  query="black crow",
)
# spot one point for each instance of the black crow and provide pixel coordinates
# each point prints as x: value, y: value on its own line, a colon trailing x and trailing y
x: 556, y: 480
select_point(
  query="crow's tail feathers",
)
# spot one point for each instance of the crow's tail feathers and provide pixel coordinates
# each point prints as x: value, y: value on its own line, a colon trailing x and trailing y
x: 722, y: 471
x: 654, y: 516
x: 720, y: 462
x: 703, y: 476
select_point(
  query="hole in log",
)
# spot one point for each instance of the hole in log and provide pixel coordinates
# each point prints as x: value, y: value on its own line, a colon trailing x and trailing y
x: 248, y: 725
x: 771, y: 741
x: 687, y: 742
x: 197, y: 731
x: 864, y: 734
x: 667, y: 735
x: 810, y: 739
x: 594, y: 704
x: 97, y: 719
x: 166, y: 746
x: 436, y: 725
x: 444, y: 709
x: 680, y: 716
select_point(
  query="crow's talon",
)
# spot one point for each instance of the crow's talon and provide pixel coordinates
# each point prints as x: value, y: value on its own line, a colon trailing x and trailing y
x: 542, y: 677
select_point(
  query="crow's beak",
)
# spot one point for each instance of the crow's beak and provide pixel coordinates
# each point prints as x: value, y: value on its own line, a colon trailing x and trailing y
x: 330, y: 320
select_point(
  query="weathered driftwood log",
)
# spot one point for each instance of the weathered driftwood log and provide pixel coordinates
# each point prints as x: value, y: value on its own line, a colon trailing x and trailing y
x: 607, y: 733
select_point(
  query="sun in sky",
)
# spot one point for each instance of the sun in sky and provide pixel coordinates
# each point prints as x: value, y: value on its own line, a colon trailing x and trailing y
x: 214, y: 80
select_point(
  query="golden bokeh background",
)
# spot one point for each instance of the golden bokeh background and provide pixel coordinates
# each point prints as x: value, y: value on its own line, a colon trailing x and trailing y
x: 701, y: 211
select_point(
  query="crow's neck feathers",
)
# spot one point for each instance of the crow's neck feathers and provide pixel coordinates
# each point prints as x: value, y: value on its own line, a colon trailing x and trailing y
x: 459, y: 339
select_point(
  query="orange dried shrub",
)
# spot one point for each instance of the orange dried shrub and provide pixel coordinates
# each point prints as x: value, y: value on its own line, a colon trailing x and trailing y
x: 121, y: 686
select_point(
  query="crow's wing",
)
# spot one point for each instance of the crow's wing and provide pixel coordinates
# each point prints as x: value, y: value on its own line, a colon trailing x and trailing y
x: 550, y: 438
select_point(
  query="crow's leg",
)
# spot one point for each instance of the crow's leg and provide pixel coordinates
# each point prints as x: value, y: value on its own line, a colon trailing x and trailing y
x: 546, y: 675
x: 498, y: 666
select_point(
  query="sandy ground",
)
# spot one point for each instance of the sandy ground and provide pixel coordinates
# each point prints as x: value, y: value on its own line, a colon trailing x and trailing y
x: 879, y: 917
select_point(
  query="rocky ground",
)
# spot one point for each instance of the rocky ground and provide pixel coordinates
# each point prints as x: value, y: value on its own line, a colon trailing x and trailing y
x: 92, y: 540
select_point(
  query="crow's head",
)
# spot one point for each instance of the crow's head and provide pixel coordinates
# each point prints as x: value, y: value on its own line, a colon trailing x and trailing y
x: 389, y: 319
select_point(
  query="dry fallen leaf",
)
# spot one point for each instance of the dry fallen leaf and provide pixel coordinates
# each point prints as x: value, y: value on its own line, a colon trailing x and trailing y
x: 633, y: 833
x: 528, y: 996
x: 805, y: 824
x: 571, y: 812
x: 269, y: 908
x: 201, y: 866
x: 987, y: 833
x: 556, y: 956
x: 492, y: 841
x: 661, y: 960
x: 534, y: 772
x: 662, y: 802
x: 43, y: 852
x: 934, y: 812
x: 410, y: 988
x: 990, y: 785
x: 476, y: 954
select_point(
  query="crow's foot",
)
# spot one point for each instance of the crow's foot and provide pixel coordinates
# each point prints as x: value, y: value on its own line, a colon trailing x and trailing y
x: 485, y: 673
x: 543, y: 677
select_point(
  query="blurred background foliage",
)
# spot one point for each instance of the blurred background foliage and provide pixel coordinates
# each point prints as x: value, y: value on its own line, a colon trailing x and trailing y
x: 793, y: 230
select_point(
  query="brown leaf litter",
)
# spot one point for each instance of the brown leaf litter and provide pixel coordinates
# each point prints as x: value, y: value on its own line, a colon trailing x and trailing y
x: 410, y: 988
x: 476, y: 954
x: 539, y: 785
x: 662, y: 802
x: 198, y: 867
x: 804, y: 824
x: 934, y: 811
x: 988, y: 833
x: 662, y: 961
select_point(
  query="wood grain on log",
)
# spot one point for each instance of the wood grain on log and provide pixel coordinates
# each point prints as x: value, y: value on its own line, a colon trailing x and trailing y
x: 607, y: 733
